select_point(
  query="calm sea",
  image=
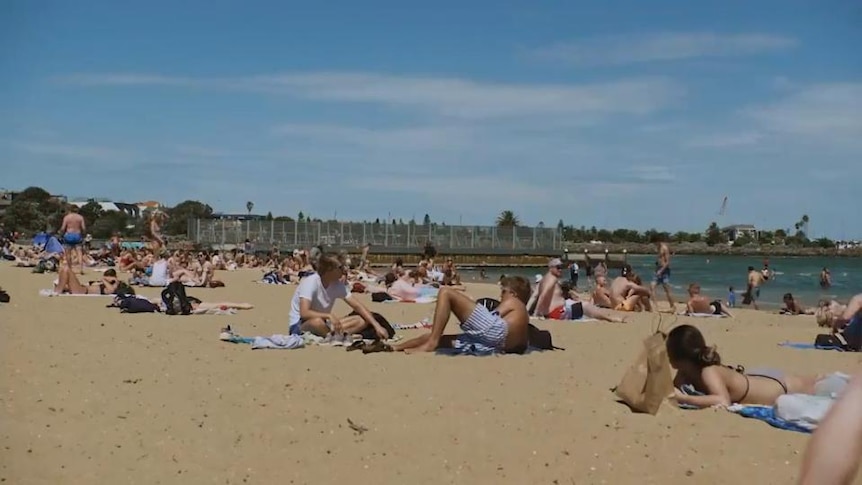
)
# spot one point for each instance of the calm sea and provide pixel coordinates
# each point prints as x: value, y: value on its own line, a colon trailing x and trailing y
x: 797, y: 275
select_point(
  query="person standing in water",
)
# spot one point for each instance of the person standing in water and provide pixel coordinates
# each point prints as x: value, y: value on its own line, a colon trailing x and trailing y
x: 73, y: 229
x: 662, y: 274
x: 752, y: 293
x: 825, y: 278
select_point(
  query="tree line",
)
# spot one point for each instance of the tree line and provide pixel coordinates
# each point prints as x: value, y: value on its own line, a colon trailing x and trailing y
x: 34, y: 209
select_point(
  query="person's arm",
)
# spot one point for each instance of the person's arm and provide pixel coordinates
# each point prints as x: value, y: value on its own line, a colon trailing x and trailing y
x: 718, y: 393
x: 853, y: 307
x: 543, y: 302
x: 833, y: 453
x: 63, y: 226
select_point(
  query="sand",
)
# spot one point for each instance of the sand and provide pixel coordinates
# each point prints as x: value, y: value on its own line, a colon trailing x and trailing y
x: 90, y: 395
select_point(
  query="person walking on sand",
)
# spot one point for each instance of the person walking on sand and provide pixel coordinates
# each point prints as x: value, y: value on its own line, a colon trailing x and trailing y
x: 752, y: 293
x: 155, y: 230
x: 73, y: 228
x: 662, y: 273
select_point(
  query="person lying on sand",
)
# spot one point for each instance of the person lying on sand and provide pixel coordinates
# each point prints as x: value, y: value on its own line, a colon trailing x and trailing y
x: 504, y: 329
x: 834, y: 452
x: 697, y: 303
x: 67, y: 282
x: 700, y: 365
x: 312, y: 303
x: 577, y: 309
x: 793, y: 307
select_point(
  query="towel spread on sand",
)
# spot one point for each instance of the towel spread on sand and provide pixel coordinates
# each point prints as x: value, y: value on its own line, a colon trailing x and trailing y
x: 51, y: 292
x: 285, y: 342
x: 421, y: 299
x: 471, y: 351
x: 701, y: 315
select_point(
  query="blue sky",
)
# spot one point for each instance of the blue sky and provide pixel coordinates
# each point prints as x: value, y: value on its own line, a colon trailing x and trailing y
x: 613, y: 114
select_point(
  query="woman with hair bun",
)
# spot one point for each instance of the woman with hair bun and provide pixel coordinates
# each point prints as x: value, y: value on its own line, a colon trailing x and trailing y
x: 700, y: 366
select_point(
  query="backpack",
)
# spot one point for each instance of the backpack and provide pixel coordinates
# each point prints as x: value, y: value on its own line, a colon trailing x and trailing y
x: 369, y: 333
x: 380, y: 297
x: 175, y: 299
x: 133, y: 304
x: 4, y: 297
x: 540, y: 339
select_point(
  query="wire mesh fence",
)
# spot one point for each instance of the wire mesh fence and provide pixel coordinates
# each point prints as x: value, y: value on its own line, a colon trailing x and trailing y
x: 299, y: 234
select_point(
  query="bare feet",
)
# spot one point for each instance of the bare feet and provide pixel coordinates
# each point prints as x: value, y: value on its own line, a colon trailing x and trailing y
x: 422, y: 348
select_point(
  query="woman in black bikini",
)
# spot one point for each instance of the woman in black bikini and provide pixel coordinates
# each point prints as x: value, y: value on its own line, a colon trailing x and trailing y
x: 700, y: 366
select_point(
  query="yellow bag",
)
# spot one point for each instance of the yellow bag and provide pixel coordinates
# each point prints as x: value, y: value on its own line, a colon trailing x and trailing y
x: 647, y: 383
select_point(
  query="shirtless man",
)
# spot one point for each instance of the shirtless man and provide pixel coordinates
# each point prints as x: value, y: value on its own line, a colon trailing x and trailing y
x: 550, y: 302
x: 602, y: 295
x: 73, y: 229
x: 504, y: 329
x: 662, y: 273
x: 752, y: 294
x: 698, y: 303
x: 825, y: 278
x: 626, y: 295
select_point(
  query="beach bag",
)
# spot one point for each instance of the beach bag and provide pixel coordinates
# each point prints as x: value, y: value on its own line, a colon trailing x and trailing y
x: 357, y: 288
x: 4, y: 297
x: 380, y: 297
x: 175, y: 299
x: 647, y: 382
x: 368, y: 332
x: 133, y: 304
x: 540, y: 339
x: 830, y: 340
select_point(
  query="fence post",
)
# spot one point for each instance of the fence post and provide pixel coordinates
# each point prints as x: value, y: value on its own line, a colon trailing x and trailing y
x: 514, y: 234
x: 451, y: 236
x: 534, y: 238
x: 473, y: 237
x: 407, y: 242
x: 198, y: 231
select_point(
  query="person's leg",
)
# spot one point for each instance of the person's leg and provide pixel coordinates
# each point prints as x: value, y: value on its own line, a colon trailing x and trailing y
x: 448, y: 302
x: 62, y: 279
x: 666, y: 285
x: 316, y: 326
x: 593, y: 311
x: 352, y: 324
x: 80, y: 249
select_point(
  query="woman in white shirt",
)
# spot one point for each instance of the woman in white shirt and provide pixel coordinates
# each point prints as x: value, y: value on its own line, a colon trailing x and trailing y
x: 312, y: 303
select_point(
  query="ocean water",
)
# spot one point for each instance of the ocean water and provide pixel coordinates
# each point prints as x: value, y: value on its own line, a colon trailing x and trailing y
x: 797, y: 275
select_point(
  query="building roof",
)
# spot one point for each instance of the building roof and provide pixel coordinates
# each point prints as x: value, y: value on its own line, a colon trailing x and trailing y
x: 739, y: 227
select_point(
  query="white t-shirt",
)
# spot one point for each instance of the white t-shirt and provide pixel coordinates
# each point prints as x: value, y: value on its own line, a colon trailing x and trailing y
x: 160, y: 274
x: 322, y: 299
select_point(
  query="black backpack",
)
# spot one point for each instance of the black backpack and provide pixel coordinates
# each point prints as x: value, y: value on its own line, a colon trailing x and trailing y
x: 369, y: 333
x: 540, y: 339
x: 175, y: 299
x: 4, y: 297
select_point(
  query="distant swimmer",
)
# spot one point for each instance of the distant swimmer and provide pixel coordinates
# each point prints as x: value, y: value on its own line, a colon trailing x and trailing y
x: 73, y: 229
x: 825, y: 278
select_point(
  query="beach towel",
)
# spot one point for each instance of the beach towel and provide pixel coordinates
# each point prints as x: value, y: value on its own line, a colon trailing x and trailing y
x: 412, y: 326
x: 767, y: 415
x: 421, y: 299
x: 51, y: 292
x: 806, y: 345
x: 702, y: 315
x: 285, y: 342
x: 471, y: 351
x: 214, y: 311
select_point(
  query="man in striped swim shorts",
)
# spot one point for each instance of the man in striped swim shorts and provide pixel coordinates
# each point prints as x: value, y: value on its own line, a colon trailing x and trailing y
x: 501, y: 330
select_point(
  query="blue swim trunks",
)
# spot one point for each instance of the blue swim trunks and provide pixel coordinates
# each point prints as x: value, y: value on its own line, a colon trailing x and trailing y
x: 662, y: 278
x: 72, y: 239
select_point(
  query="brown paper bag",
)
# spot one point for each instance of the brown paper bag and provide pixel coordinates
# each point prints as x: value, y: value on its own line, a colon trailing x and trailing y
x: 648, y: 381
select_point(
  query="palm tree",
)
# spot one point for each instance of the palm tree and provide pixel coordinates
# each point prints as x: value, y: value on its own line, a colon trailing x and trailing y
x: 802, y: 225
x: 249, y: 205
x: 508, y: 219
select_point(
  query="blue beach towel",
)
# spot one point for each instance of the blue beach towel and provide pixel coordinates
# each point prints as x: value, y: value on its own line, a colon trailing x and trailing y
x: 767, y: 415
x: 806, y: 345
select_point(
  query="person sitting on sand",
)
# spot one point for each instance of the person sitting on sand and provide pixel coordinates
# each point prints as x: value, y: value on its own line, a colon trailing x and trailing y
x: 626, y: 295
x: 844, y: 319
x: 601, y: 294
x: 577, y: 309
x: 504, y: 329
x: 68, y: 283
x: 550, y: 301
x: 699, y: 304
x: 700, y: 366
x: 312, y: 303
x: 793, y: 307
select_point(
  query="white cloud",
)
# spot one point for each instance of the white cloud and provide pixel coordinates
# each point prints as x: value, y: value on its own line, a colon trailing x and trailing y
x: 653, y: 173
x: 666, y: 46
x: 453, y: 97
x: 826, y: 112
x: 724, y: 140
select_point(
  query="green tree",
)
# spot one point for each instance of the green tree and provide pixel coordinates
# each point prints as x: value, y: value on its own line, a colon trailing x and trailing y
x: 182, y: 213
x: 714, y: 235
x: 110, y: 222
x: 300, y: 217
x: 33, y: 194
x: 269, y: 216
x: 560, y: 225
x: 825, y: 243
x: 508, y: 219
x: 426, y: 221
x: 33, y: 210
x: 91, y: 211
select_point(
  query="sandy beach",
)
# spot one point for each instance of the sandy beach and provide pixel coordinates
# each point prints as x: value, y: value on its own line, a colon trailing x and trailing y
x: 91, y: 396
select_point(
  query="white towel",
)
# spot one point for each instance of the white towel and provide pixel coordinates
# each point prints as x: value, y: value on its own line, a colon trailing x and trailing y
x: 702, y: 315
x: 278, y: 342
